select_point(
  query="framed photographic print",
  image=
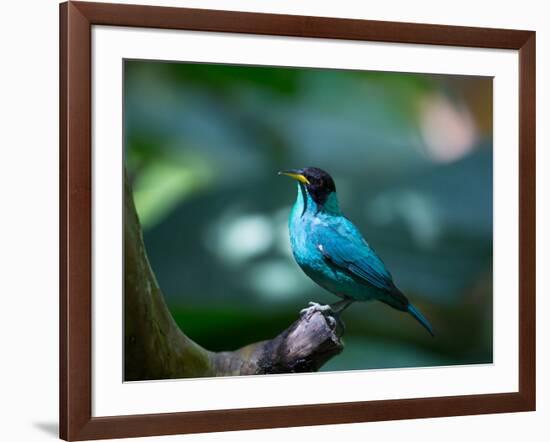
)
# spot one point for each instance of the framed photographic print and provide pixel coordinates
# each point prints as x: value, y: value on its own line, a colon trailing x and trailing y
x: 274, y: 220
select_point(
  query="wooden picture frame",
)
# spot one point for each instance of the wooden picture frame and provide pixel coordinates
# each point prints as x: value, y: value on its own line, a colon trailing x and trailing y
x: 76, y: 21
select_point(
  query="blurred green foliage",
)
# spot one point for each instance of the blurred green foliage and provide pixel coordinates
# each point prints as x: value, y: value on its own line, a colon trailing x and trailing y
x: 412, y: 158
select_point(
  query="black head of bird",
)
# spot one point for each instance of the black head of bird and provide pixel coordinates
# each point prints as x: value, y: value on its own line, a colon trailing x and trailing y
x: 319, y: 184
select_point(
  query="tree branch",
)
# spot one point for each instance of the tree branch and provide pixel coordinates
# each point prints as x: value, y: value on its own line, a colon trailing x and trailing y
x: 156, y: 348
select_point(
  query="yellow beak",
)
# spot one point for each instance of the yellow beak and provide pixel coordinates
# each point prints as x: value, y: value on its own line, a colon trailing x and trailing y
x: 296, y: 175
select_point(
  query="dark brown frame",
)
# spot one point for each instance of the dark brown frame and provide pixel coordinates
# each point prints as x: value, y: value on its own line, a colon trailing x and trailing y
x: 76, y: 20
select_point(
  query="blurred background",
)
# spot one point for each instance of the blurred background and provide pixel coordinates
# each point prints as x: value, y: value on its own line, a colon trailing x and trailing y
x: 411, y: 155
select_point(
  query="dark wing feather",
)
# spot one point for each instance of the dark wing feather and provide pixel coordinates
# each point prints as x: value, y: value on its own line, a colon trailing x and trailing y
x: 344, y: 247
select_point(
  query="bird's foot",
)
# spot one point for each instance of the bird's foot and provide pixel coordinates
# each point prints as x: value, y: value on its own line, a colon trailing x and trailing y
x: 326, y: 310
x: 315, y: 307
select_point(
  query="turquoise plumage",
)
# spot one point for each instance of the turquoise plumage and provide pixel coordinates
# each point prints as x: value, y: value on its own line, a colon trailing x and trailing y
x: 333, y: 253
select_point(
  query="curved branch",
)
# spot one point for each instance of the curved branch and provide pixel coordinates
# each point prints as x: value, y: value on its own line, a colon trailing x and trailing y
x: 156, y: 348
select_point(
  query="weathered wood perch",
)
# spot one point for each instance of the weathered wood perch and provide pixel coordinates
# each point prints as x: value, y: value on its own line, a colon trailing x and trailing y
x: 156, y: 348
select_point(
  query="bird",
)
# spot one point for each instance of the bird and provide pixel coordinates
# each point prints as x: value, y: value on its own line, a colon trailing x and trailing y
x: 330, y: 249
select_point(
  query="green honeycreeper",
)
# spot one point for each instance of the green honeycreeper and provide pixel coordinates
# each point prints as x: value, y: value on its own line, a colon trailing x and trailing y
x: 331, y: 250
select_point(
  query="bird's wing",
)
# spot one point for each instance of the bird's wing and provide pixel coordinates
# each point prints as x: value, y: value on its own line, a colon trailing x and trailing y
x: 342, y: 245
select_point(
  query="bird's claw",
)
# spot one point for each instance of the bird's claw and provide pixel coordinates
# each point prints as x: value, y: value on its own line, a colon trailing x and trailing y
x: 326, y: 310
x: 315, y: 307
x: 332, y: 322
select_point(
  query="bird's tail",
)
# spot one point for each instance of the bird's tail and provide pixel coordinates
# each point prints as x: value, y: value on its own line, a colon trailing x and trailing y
x: 420, y: 318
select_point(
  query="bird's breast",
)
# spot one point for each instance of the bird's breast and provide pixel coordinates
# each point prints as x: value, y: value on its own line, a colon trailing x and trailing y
x: 308, y: 254
x: 301, y: 228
